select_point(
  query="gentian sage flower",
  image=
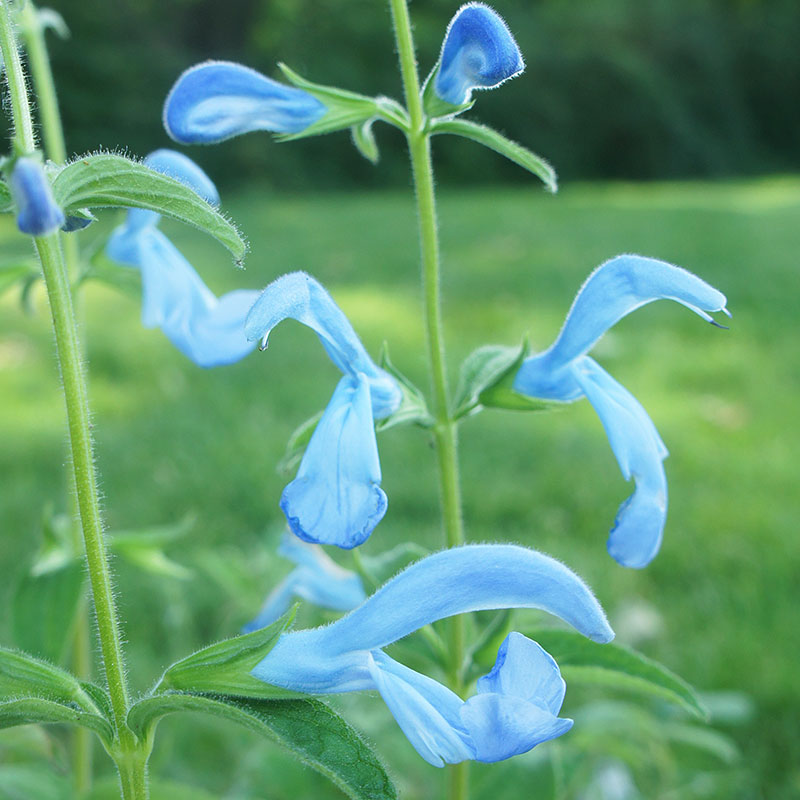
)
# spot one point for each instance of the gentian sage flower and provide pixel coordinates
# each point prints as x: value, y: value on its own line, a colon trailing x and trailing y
x: 208, y: 330
x: 564, y: 372
x: 217, y: 100
x: 478, y: 52
x: 516, y: 706
x: 336, y: 497
x: 37, y: 211
x: 317, y: 579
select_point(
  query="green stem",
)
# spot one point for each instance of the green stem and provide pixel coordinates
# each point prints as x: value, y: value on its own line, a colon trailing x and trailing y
x: 55, y: 148
x: 445, y: 431
x: 130, y: 752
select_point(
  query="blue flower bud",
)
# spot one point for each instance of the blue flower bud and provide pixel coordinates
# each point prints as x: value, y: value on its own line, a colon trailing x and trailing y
x: 217, y: 100
x: 38, y: 213
x: 479, y: 52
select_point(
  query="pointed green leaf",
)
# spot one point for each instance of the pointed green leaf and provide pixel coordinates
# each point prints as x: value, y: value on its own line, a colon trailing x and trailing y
x: 412, y: 409
x: 106, y: 180
x: 312, y: 731
x: 486, y: 379
x: 35, y: 710
x: 224, y: 667
x: 500, y: 144
x: 364, y: 140
x: 615, y: 666
x: 43, y: 610
x: 144, y: 548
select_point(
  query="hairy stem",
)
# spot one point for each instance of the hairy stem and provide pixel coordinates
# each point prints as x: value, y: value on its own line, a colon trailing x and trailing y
x: 445, y: 431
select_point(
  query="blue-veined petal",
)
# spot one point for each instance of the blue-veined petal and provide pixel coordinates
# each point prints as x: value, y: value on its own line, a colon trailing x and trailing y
x: 298, y: 296
x: 470, y: 578
x: 216, y: 100
x: 336, y: 497
x: 636, y: 535
x: 37, y: 212
x: 317, y: 579
x: 478, y: 52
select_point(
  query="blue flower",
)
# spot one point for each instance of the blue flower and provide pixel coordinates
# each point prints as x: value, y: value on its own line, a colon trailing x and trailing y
x: 208, y: 330
x: 564, y: 372
x: 217, y: 100
x: 317, y: 579
x: 478, y: 52
x: 516, y: 706
x: 38, y: 213
x: 336, y: 497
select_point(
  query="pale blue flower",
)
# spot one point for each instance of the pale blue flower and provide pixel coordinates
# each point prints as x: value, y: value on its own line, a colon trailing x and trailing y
x: 208, y: 330
x: 336, y: 497
x: 564, y: 372
x: 37, y: 211
x: 478, y: 52
x: 217, y: 100
x: 516, y: 706
x: 317, y: 579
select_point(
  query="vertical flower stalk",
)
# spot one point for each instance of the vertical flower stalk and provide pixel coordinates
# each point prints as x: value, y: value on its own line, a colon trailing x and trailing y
x: 127, y: 753
x: 445, y: 428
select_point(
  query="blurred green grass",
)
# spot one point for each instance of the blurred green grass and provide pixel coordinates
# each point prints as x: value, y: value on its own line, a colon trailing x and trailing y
x: 172, y: 438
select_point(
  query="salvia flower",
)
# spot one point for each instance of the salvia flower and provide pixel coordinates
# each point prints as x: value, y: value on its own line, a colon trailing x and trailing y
x: 478, y: 52
x: 317, y: 579
x: 564, y: 372
x: 336, y: 497
x: 516, y: 706
x: 210, y: 331
x: 37, y: 211
x: 217, y: 100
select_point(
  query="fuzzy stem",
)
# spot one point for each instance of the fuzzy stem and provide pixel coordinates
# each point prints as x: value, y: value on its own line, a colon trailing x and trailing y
x: 445, y: 432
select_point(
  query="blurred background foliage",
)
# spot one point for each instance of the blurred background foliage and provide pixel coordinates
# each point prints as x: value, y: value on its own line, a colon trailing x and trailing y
x: 614, y: 89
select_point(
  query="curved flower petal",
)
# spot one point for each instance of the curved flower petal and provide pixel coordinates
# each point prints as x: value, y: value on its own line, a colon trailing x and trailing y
x: 336, y: 497
x: 217, y: 100
x: 610, y: 293
x: 470, y: 578
x: 636, y: 535
x: 317, y: 579
x: 37, y: 212
x: 298, y: 296
x: 478, y: 52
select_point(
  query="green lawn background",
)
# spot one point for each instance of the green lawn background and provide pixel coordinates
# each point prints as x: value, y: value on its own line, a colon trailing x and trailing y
x: 172, y: 438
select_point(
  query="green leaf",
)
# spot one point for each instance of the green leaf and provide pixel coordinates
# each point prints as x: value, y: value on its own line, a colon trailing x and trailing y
x: 317, y: 735
x: 412, y: 409
x: 297, y: 444
x: 364, y: 140
x: 44, y: 608
x: 106, y: 180
x: 35, y: 710
x: 376, y: 570
x: 345, y: 108
x: 617, y: 667
x: 22, y: 675
x: 487, y: 378
x: 224, y: 667
x: 500, y: 144
x: 144, y: 548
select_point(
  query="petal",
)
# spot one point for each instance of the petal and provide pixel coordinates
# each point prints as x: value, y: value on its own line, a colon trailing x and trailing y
x: 501, y: 727
x: 525, y: 670
x: 38, y: 213
x: 216, y: 100
x: 336, y: 497
x: 478, y: 52
x: 300, y: 297
x: 636, y: 535
x: 426, y: 711
x: 612, y: 291
x: 455, y: 581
